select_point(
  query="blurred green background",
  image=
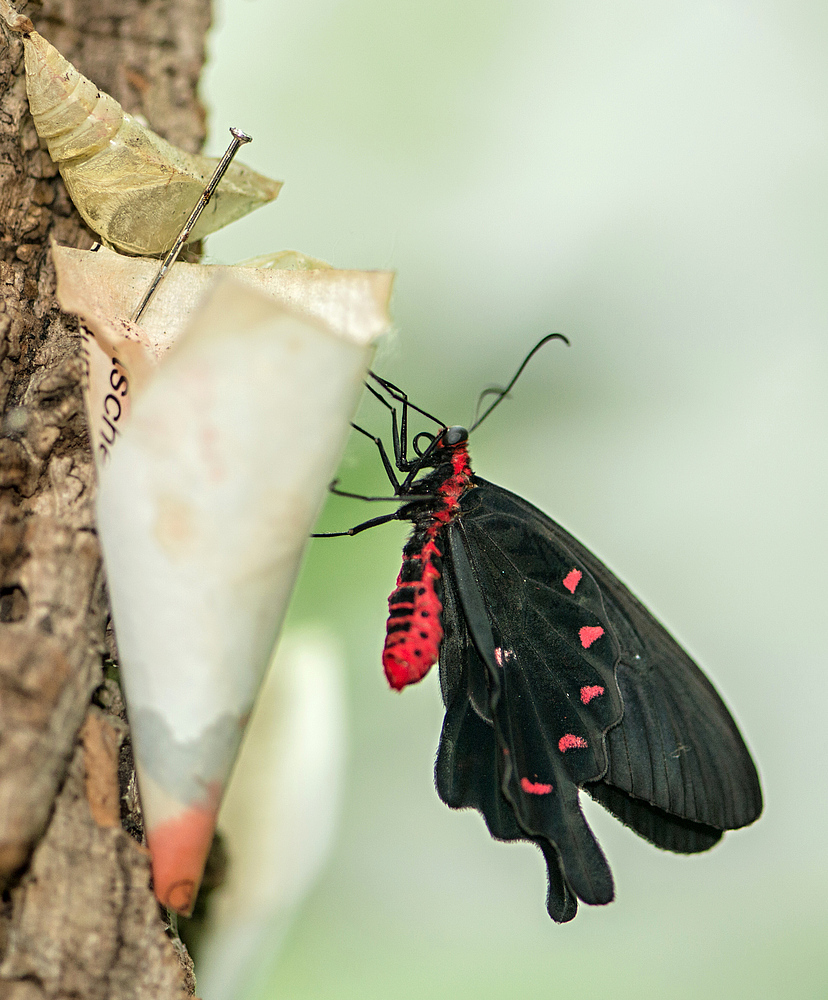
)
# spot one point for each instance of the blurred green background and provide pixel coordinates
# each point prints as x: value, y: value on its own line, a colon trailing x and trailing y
x: 649, y: 178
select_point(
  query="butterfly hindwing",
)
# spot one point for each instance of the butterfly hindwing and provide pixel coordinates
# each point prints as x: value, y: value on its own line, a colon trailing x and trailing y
x: 467, y: 768
x: 547, y: 741
x: 658, y: 827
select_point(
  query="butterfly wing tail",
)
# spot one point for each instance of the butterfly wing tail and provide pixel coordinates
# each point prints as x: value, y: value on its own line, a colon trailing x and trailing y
x: 466, y: 775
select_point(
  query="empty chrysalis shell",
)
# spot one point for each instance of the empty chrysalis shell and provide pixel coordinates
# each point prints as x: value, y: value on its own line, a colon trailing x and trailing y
x: 133, y: 188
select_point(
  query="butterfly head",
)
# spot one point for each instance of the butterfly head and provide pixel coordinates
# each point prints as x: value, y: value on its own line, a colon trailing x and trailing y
x: 453, y: 435
x: 431, y: 448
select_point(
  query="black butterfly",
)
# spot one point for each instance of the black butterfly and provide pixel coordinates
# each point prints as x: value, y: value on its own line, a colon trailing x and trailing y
x: 554, y: 677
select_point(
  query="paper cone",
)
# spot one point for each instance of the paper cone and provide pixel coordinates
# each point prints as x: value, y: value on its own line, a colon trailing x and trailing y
x: 204, y: 508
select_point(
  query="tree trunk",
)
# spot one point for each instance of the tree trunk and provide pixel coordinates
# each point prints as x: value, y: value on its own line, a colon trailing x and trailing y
x: 78, y: 918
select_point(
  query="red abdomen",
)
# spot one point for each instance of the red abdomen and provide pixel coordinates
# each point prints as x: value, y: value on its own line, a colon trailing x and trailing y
x: 414, y: 632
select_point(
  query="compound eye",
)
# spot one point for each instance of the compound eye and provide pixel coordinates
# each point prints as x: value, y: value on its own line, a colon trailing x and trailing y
x: 454, y: 435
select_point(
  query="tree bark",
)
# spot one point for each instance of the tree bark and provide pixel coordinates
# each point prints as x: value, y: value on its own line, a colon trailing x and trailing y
x: 78, y: 918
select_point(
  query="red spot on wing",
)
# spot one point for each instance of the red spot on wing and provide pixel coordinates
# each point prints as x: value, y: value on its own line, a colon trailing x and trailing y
x: 534, y: 787
x: 589, y: 692
x: 572, y: 579
x: 569, y: 742
x: 589, y: 633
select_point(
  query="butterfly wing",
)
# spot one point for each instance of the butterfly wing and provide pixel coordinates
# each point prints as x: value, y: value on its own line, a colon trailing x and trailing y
x: 466, y: 772
x: 547, y: 739
x: 586, y: 688
x: 677, y: 747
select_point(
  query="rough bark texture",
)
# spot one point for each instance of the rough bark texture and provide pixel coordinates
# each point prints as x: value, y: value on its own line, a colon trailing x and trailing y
x: 77, y: 918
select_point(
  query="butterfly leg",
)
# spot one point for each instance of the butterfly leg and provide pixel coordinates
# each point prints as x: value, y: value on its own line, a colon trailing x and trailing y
x: 396, y: 393
x: 372, y: 523
x: 399, y: 431
x: 409, y: 497
x: 386, y: 461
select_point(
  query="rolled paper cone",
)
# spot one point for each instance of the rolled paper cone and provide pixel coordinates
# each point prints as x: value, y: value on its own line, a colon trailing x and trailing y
x: 204, y: 510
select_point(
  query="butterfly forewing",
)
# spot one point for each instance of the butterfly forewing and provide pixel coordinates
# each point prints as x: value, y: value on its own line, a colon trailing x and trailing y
x: 555, y: 653
x: 677, y: 747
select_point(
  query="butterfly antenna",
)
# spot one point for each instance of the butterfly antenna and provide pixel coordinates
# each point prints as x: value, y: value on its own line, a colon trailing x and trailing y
x: 502, y: 393
x: 491, y: 390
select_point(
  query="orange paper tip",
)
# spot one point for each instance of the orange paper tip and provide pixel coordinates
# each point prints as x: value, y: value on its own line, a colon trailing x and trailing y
x: 179, y: 849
